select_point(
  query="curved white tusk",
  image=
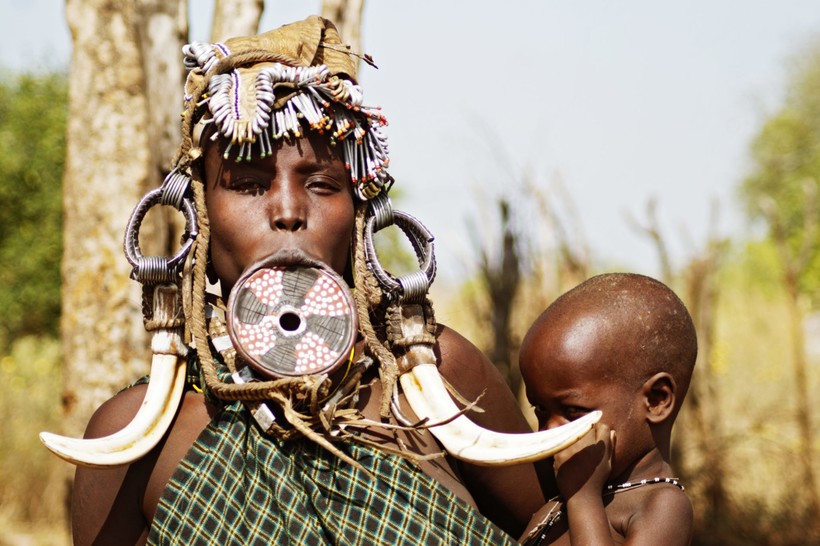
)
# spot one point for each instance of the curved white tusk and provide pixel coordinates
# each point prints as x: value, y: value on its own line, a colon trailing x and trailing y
x: 162, y: 398
x: 427, y: 395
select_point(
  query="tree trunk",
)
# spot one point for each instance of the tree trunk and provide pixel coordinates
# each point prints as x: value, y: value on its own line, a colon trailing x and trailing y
x: 347, y: 16
x: 106, y: 172
x: 162, y: 30
x: 704, y: 398
x: 795, y: 264
x: 802, y: 397
x: 236, y: 18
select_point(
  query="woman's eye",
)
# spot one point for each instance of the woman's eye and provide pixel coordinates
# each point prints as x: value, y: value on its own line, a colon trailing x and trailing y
x: 323, y: 185
x: 249, y: 186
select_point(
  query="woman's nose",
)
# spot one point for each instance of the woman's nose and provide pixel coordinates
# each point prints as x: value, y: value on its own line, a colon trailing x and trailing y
x: 287, y: 209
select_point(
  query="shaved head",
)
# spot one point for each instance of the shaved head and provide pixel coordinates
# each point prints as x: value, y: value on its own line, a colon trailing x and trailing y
x: 632, y: 324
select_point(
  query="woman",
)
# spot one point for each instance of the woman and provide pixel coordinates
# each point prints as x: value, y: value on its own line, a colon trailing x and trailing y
x: 284, y: 166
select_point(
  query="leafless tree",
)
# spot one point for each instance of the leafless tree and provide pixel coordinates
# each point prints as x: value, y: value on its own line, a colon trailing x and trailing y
x: 501, y: 278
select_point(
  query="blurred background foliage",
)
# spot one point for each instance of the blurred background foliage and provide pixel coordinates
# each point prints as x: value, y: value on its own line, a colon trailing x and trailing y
x: 740, y: 446
x: 33, y: 110
x: 786, y: 156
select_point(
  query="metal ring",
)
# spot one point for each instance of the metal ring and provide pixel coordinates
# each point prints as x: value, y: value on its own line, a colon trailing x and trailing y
x: 412, y: 286
x: 158, y: 269
x: 174, y: 188
x: 382, y: 211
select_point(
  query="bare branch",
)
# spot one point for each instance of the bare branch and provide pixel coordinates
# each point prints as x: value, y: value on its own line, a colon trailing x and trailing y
x: 809, y: 224
x: 652, y: 230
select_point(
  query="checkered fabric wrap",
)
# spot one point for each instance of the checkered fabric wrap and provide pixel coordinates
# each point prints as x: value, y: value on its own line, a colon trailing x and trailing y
x: 237, y: 486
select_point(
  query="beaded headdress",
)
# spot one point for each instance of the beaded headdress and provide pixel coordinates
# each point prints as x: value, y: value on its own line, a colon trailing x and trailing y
x: 258, y: 89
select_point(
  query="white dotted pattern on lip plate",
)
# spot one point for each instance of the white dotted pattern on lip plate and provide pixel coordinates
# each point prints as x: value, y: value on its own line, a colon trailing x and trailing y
x: 312, y: 354
x: 326, y: 298
x: 267, y: 286
x: 260, y: 338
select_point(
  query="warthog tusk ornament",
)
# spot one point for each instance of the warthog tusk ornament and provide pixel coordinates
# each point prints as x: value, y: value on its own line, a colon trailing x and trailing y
x: 157, y: 410
x: 463, y: 439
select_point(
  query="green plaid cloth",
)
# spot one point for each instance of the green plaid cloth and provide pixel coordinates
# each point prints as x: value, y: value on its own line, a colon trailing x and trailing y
x: 237, y: 486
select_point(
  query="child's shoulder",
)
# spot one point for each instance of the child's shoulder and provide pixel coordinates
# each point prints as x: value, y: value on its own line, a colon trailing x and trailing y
x: 662, y: 513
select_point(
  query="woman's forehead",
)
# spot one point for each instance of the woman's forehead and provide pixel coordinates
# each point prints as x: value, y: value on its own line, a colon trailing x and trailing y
x: 311, y: 145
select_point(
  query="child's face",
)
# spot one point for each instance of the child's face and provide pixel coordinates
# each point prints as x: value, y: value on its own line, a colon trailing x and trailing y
x: 572, y: 365
x: 300, y: 197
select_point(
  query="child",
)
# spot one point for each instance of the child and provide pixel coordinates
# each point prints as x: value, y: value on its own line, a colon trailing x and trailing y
x: 626, y: 345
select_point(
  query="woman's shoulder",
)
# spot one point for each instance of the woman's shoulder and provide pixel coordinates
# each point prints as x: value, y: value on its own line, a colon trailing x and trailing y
x: 475, y: 378
x: 116, y: 412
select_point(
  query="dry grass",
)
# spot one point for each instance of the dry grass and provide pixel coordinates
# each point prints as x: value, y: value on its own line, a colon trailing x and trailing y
x: 33, y: 489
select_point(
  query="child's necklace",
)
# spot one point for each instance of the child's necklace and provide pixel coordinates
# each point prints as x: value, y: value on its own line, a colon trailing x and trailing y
x: 539, y: 533
x: 626, y: 486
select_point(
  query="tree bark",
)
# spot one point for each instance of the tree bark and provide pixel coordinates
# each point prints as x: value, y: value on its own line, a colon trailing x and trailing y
x: 162, y: 30
x: 236, y: 18
x: 104, y: 344
x: 115, y: 146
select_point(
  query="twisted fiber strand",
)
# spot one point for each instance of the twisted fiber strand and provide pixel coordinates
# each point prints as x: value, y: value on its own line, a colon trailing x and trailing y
x: 368, y: 292
x: 170, y: 324
x: 182, y: 155
x: 299, y: 424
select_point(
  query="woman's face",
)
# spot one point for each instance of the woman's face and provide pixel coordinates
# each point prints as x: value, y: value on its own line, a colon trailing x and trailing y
x: 299, y: 197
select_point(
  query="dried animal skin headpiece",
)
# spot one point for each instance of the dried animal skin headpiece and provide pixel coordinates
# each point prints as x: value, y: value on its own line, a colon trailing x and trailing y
x: 258, y: 89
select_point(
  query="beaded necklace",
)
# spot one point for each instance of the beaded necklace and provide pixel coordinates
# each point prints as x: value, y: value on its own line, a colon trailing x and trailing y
x: 539, y: 533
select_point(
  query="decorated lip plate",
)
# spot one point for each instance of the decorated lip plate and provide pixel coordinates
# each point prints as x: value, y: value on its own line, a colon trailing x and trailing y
x: 292, y: 321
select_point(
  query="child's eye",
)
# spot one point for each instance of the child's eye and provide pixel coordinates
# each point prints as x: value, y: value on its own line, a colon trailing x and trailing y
x: 541, y: 415
x: 571, y: 413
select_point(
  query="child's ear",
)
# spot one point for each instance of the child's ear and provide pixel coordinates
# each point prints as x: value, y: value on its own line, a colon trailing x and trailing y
x: 659, y: 395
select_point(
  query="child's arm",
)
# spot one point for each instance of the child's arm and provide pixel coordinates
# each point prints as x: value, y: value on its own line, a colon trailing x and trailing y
x: 581, y: 471
x: 664, y: 515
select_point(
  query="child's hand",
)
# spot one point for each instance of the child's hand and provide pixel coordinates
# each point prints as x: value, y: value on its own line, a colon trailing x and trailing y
x: 584, y: 467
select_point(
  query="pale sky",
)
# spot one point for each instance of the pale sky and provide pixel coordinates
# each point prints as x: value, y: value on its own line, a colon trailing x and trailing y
x: 621, y: 100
